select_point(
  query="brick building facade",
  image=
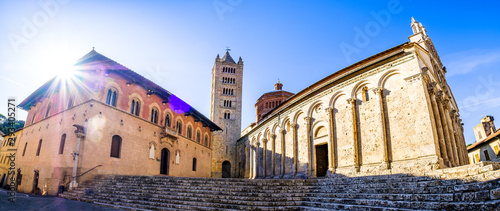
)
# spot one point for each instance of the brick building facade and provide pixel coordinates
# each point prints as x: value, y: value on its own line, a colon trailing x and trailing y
x: 132, y: 127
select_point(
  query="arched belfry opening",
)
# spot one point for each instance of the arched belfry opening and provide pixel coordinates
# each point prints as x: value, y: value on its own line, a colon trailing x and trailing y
x: 165, y: 161
x: 226, y: 169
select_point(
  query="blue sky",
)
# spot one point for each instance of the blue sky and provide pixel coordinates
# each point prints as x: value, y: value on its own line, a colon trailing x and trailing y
x: 174, y: 43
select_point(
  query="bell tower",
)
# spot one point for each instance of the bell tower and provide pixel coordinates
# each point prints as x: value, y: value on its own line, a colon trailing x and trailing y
x: 227, y: 83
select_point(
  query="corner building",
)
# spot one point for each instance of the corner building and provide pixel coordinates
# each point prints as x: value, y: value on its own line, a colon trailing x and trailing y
x: 227, y: 84
x: 132, y: 127
x: 390, y: 113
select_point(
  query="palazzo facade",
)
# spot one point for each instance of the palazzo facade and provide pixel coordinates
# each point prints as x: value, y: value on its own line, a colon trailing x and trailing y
x: 107, y: 119
x: 390, y: 113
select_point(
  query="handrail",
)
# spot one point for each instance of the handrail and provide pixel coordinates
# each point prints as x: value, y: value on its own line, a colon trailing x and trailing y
x: 79, y: 175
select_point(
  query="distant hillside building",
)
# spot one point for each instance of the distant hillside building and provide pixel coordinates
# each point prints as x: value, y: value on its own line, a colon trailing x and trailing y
x: 131, y: 126
x: 390, y: 113
x: 487, y: 145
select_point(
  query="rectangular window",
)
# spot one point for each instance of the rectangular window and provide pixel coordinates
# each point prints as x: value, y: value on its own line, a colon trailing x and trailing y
x: 497, y: 151
x: 477, y: 157
x: 39, y: 147
x: 24, y: 150
x: 486, y: 155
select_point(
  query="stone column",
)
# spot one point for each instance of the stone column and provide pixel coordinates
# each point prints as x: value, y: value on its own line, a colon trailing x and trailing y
x: 247, y: 162
x: 446, y: 133
x: 331, y: 140
x: 295, y: 149
x: 250, y: 147
x: 79, y: 136
x: 264, y: 155
x: 273, y: 155
x: 455, y: 136
x: 460, y: 125
x: 380, y: 92
x: 309, y: 148
x: 353, y: 102
x: 257, y: 159
x: 283, y: 156
x: 461, y: 143
x: 446, y: 106
x: 439, y: 128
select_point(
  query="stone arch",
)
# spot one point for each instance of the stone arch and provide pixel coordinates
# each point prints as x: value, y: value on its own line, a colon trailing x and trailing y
x: 358, y: 86
x: 296, y: 115
x: 313, y: 106
x: 385, y: 76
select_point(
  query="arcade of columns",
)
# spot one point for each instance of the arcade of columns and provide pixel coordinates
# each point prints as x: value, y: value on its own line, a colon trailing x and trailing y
x: 450, y: 147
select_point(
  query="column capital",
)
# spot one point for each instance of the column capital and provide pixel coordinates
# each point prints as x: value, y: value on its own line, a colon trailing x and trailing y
x: 282, y: 130
x: 378, y: 90
x: 439, y: 96
x: 293, y: 125
x: 351, y: 100
x: 264, y: 140
x: 431, y: 87
x: 307, y: 119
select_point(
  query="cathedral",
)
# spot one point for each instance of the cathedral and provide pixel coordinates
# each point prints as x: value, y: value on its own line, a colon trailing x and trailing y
x: 390, y: 113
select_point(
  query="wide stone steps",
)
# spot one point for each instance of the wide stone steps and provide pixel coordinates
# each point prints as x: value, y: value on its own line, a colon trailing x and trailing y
x: 389, y: 192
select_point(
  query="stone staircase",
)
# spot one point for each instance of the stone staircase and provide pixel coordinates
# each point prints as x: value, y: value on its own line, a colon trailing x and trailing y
x: 386, y: 192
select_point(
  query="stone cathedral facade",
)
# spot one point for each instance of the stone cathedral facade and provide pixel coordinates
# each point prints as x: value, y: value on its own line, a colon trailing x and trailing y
x: 390, y: 113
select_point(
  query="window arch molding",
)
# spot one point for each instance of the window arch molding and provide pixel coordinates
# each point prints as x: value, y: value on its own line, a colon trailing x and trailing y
x: 136, y: 97
x: 206, y: 139
x: 168, y: 119
x: 108, y: 96
x: 198, y: 136
x: 189, y: 131
x: 182, y: 125
x: 151, y: 116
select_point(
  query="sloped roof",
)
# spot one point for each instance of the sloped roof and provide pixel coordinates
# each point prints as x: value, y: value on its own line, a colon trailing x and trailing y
x: 93, y: 60
x: 485, y: 140
x: 227, y: 58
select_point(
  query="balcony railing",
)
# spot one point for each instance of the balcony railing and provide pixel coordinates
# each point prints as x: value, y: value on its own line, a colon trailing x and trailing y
x: 168, y: 132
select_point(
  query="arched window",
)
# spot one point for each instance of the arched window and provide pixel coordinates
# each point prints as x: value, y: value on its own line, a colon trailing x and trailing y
x: 206, y: 141
x: 167, y: 120
x: 154, y: 115
x: 194, y: 164
x: 39, y: 147
x: 189, y: 132
x: 61, y: 145
x: 116, y: 145
x: 47, y: 113
x: 179, y: 127
x: 198, y: 136
x: 111, y: 97
x: 134, y: 108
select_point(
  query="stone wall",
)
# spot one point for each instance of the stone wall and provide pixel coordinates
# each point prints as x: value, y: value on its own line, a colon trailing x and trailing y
x: 377, y: 117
